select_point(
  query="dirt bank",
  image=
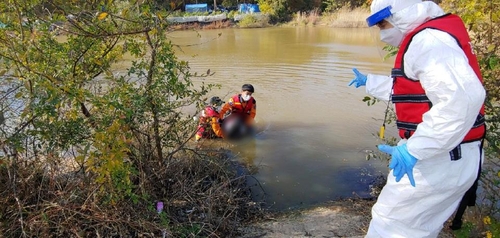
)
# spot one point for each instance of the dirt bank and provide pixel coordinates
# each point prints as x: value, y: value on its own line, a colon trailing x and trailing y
x: 347, y: 218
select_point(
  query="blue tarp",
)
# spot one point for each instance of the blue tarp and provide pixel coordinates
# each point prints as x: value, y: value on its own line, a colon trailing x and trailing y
x: 202, y: 7
x: 248, y: 8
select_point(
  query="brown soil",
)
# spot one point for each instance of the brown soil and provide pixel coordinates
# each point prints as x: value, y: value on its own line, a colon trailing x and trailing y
x: 346, y: 218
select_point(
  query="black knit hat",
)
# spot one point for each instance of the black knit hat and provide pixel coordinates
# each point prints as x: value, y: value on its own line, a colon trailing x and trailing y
x: 247, y: 87
x: 216, y: 101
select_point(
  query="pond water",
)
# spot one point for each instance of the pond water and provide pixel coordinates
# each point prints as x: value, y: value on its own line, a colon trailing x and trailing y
x: 313, y: 130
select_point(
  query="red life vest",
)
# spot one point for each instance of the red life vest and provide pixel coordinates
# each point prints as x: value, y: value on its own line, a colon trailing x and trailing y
x: 211, y: 112
x: 409, y: 97
x: 206, y: 127
x: 237, y: 106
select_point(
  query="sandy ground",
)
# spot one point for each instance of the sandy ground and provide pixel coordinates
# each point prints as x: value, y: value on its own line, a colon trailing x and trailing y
x: 349, y: 218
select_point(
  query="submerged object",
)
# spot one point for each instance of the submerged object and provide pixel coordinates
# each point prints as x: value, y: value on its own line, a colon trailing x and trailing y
x: 234, y: 128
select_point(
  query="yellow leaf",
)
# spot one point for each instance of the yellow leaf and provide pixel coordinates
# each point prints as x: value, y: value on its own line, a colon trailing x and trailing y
x: 102, y: 15
x: 124, y: 12
x: 487, y: 220
x: 491, y: 47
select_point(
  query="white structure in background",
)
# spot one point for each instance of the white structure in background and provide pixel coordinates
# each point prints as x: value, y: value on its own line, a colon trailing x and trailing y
x: 210, y: 18
x: 202, y: 8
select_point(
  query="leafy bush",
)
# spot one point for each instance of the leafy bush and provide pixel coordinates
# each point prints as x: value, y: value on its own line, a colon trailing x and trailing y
x: 254, y: 21
x: 88, y: 150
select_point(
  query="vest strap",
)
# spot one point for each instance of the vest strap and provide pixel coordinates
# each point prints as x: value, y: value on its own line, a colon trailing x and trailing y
x: 410, y: 98
x: 480, y: 120
x: 456, y: 154
x: 409, y: 127
x: 397, y: 73
x: 406, y: 125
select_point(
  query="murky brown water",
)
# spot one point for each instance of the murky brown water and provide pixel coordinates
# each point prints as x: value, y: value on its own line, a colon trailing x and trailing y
x: 313, y: 128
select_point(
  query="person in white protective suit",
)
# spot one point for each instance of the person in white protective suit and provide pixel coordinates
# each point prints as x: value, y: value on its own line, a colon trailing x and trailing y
x: 437, y: 91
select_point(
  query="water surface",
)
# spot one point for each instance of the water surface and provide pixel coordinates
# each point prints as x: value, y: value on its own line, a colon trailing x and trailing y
x: 313, y: 128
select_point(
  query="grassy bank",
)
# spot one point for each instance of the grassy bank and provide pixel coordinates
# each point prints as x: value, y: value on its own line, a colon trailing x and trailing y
x: 343, y: 18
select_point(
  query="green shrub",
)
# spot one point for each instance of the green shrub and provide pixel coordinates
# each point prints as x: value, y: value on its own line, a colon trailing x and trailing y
x: 254, y: 21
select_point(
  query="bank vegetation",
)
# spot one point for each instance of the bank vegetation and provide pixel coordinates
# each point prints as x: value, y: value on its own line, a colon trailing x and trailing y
x: 87, y: 151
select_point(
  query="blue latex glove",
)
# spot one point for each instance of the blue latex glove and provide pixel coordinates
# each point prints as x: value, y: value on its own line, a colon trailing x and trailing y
x: 401, y: 162
x: 359, y: 80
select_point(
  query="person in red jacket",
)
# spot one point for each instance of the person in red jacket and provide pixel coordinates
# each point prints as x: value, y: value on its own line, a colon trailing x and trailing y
x: 209, y: 125
x: 241, y: 109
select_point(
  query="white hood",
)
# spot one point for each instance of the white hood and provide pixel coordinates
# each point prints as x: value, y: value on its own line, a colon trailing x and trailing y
x: 408, y: 14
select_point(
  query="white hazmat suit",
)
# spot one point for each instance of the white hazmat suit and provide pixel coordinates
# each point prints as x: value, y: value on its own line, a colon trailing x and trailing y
x: 437, y: 61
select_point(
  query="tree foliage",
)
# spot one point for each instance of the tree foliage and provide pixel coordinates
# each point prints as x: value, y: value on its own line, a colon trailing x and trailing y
x: 333, y: 5
x: 278, y: 9
x: 65, y: 105
x: 66, y: 93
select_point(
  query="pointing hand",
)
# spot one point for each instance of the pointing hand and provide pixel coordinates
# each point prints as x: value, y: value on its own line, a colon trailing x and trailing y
x: 359, y: 80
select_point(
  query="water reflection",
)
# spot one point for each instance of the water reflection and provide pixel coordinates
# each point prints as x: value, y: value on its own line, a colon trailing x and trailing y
x: 313, y: 129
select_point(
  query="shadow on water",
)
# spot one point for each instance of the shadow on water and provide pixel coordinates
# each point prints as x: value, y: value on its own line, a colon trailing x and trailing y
x: 286, y: 168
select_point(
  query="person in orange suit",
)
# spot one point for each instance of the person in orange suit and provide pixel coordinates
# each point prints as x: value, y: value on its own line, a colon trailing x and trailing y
x: 209, y: 125
x: 241, y: 109
x: 242, y: 104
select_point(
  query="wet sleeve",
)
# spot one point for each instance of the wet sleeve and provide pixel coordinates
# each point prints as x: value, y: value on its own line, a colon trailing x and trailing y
x: 225, y: 108
x: 450, y: 83
x: 253, y: 111
x: 216, y: 127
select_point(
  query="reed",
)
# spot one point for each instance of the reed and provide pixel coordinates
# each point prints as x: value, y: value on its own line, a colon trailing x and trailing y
x: 346, y: 18
x: 309, y: 18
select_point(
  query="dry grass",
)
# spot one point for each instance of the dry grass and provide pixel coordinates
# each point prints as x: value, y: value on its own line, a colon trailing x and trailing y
x: 346, y: 18
x: 202, y: 196
x: 306, y: 18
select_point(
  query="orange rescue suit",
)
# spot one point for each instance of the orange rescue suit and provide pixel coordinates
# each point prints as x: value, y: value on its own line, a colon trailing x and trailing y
x: 209, y: 126
x: 236, y: 105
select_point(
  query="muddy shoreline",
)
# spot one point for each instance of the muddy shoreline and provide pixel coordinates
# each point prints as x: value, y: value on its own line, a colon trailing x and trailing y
x: 344, y: 218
